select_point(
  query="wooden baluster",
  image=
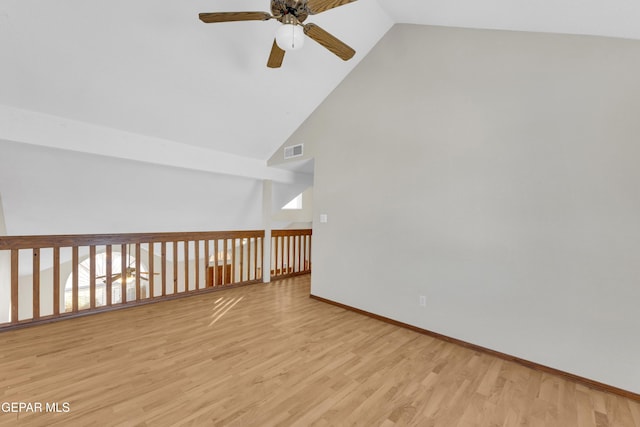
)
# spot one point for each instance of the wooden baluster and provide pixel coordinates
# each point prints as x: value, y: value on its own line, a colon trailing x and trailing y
x: 36, y: 284
x: 255, y: 258
x: 215, y: 263
x: 206, y: 264
x: 241, y: 260
x: 275, y: 257
x: 285, y: 254
x: 14, y: 285
x: 56, y: 281
x: 285, y: 264
x: 282, y: 248
x: 92, y: 277
x: 289, y: 253
x: 109, y: 274
x: 292, y: 268
x: 124, y: 268
x: 292, y: 254
x: 224, y: 263
x: 304, y: 253
x: 151, y: 291
x: 163, y: 267
x: 138, y: 271
x: 260, y: 255
x: 282, y: 255
x: 299, y: 253
x: 74, y: 282
x: 290, y: 249
x: 278, y: 256
x: 309, y: 268
x: 254, y: 251
x: 186, y: 266
x: 175, y: 267
x: 303, y: 240
x: 196, y: 255
x: 249, y: 242
x: 233, y: 261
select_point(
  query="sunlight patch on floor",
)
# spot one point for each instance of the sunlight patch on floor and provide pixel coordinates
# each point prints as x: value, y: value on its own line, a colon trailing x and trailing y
x: 222, y: 306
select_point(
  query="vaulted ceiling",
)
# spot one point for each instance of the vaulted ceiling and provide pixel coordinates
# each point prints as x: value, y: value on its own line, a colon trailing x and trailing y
x: 150, y: 67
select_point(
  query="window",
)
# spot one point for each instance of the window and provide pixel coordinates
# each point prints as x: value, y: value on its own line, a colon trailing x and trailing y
x: 295, y: 203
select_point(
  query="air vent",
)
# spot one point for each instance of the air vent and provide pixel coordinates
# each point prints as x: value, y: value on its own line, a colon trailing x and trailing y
x: 293, y: 151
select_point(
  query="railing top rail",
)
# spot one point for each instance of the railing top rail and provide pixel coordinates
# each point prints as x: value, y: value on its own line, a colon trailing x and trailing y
x: 291, y: 232
x: 69, y: 240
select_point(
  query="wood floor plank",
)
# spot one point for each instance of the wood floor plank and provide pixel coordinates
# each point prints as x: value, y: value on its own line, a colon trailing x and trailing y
x: 268, y: 355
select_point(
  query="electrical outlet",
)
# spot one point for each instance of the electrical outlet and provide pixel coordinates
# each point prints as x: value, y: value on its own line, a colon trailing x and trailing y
x: 423, y: 301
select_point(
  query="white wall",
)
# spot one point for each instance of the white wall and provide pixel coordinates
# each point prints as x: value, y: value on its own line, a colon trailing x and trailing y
x: 30, y: 127
x: 51, y: 191
x: 497, y: 174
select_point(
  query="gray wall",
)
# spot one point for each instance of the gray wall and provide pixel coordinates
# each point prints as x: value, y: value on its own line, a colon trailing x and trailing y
x: 495, y: 173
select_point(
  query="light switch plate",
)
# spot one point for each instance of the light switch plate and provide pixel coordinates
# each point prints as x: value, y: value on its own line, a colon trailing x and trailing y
x: 323, y: 218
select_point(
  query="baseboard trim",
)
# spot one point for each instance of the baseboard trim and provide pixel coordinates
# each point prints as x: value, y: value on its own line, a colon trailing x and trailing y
x: 596, y: 385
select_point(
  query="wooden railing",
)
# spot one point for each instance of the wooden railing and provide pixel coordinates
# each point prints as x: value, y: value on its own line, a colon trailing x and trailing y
x: 290, y: 252
x: 44, y: 278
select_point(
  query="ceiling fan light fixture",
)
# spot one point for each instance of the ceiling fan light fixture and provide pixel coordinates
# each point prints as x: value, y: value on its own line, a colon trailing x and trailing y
x: 290, y: 37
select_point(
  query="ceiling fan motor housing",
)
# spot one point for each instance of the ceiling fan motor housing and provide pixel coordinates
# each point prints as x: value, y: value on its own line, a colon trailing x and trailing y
x: 287, y: 9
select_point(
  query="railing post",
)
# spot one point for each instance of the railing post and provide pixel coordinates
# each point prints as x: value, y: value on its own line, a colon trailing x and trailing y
x: 267, y: 191
x: 5, y: 286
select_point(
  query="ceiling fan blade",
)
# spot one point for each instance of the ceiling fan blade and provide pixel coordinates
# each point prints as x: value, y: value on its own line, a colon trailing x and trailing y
x: 330, y: 42
x: 317, y: 6
x: 276, y: 56
x: 234, y: 16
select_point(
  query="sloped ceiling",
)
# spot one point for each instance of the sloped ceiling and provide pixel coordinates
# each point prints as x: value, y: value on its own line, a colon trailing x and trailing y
x: 150, y: 67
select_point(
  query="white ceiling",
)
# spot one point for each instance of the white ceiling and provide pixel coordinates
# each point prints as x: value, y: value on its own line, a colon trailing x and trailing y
x: 151, y: 67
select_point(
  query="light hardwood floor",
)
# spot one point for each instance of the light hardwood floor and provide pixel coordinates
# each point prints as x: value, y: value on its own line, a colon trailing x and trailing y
x: 266, y: 355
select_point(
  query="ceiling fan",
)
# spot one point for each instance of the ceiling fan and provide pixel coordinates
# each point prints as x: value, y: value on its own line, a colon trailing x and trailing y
x: 290, y: 36
x: 129, y: 273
